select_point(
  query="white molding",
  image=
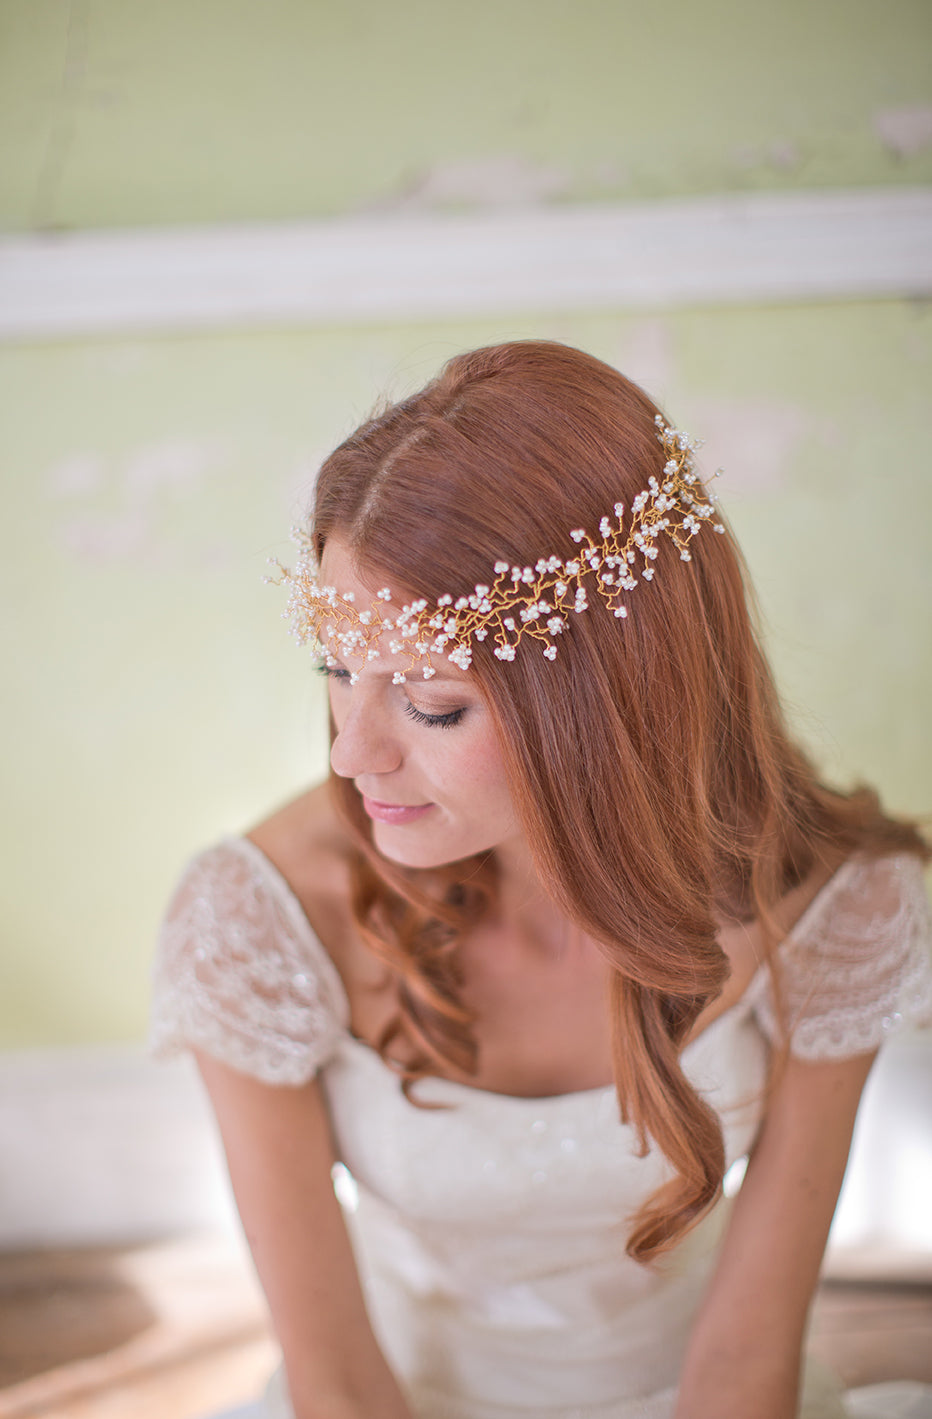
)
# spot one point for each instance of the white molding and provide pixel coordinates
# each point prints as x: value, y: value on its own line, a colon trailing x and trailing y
x: 838, y: 245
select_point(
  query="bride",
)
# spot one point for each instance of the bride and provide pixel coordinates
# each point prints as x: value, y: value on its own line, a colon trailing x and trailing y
x: 572, y: 929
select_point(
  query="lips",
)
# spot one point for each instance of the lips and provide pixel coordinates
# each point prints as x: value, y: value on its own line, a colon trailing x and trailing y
x: 395, y: 813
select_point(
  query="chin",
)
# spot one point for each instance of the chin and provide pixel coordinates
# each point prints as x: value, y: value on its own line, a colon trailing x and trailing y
x: 417, y: 850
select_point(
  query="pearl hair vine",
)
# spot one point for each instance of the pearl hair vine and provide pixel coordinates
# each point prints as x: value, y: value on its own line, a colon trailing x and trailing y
x: 530, y: 602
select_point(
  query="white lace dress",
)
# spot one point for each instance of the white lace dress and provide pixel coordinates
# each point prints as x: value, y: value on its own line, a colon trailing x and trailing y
x: 490, y: 1235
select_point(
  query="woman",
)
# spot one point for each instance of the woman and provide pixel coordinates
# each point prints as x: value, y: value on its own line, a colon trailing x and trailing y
x: 572, y: 928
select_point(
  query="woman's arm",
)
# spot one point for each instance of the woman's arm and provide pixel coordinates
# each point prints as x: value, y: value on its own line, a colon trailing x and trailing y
x: 278, y: 1148
x: 745, y: 1350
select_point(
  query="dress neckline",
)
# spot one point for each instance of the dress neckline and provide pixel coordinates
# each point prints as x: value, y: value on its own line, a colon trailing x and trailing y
x: 306, y: 933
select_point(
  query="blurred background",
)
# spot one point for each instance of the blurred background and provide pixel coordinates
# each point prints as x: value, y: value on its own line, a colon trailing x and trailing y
x: 230, y: 228
x: 153, y: 698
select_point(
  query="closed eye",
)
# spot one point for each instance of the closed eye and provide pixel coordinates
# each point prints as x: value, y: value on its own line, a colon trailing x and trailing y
x: 443, y: 721
x: 436, y: 721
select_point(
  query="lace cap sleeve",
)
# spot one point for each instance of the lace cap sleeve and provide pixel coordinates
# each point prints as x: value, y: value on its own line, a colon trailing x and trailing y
x: 856, y: 967
x: 240, y: 974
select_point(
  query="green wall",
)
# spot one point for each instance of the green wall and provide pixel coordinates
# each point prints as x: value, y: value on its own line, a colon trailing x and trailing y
x: 154, y: 699
x: 121, y: 112
x: 158, y: 700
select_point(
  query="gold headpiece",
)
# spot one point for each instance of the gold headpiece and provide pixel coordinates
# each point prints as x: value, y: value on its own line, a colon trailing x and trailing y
x: 520, y: 601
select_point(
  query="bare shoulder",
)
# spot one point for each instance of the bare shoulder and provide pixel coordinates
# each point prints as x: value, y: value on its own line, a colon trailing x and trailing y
x: 308, y: 822
x: 309, y: 846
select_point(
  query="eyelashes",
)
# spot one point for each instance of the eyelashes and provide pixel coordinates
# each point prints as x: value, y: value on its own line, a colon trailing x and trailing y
x: 434, y: 721
x: 442, y: 721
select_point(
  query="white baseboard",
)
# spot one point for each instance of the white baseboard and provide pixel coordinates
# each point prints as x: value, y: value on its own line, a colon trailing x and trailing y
x: 104, y: 1145
x: 883, y: 1219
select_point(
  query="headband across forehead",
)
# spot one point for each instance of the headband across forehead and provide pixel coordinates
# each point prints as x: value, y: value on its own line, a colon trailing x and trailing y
x: 533, y: 602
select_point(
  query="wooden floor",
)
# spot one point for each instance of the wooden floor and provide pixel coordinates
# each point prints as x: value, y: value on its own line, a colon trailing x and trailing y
x: 178, y: 1331
x: 173, y: 1331
x: 868, y: 1332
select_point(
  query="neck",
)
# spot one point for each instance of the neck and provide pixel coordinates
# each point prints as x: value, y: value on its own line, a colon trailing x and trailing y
x: 526, y: 910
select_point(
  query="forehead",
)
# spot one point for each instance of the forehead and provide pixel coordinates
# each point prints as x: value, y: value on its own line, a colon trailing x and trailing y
x: 337, y: 557
x: 368, y: 598
x: 339, y: 568
x: 364, y: 595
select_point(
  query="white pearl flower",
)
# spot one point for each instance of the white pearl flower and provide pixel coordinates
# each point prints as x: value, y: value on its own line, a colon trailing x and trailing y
x: 667, y: 505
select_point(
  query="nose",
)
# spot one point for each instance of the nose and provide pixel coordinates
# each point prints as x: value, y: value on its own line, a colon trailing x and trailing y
x: 364, y: 743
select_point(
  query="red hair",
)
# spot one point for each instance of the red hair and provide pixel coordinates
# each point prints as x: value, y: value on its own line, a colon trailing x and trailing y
x: 657, y: 785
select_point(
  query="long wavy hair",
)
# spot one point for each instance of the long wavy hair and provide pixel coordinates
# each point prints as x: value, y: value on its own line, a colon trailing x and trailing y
x: 650, y: 765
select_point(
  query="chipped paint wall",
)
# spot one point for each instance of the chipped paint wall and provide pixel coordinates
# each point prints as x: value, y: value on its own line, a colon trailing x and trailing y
x: 158, y: 701
x: 156, y: 698
x: 121, y: 114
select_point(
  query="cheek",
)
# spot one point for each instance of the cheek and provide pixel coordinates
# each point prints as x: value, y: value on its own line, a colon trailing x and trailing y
x: 481, y: 778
